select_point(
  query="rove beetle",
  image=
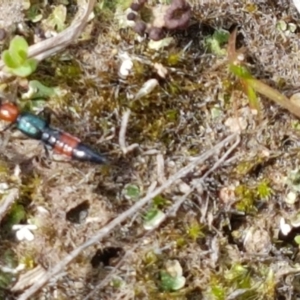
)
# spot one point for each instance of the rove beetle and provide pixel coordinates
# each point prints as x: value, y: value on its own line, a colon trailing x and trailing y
x: 38, y: 128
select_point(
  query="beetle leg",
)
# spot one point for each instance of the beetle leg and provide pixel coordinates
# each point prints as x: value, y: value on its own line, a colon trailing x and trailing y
x: 46, y: 113
x: 47, y: 152
x: 11, y: 125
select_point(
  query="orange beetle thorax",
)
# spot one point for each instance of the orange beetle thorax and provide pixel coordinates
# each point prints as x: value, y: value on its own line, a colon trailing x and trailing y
x: 9, y: 112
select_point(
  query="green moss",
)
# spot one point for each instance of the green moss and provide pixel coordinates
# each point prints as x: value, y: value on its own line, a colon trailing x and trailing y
x: 16, y: 215
x: 195, y: 230
x: 174, y: 58
x: 263, y: 190
x: 246, y: 198
x: 245, y: 167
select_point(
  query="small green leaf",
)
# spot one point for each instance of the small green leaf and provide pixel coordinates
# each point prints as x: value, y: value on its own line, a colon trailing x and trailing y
x: 297, y: 239
x: 152, y: 218
x: 38, y: 90
x: 131, y: 192
x: 215, y: 42
x: 25, y: 69
x: 32, y: 63
x: 240, y: 71
x: 170, y: 283
x: 18, y: 48
x: 33, y: 14
x: 16, y: 60
x: 8, y: 60
x: 221, y: 36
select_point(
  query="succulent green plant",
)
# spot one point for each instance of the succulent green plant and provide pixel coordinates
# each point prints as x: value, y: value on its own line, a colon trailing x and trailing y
x: 16, y: 58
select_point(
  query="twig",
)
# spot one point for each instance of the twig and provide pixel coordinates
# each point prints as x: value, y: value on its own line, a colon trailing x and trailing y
x: 222, y: 159
x: 122, y: 134
x: 160, y: 168
x: 8, y: 202
x: 297, y: 5
x: 122, y: 217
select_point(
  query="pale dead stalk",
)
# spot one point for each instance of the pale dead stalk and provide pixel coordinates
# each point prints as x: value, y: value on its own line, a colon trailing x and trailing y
x: 160, y: 168
x: 7, y: 202
x: 122, y: 134
x: 122, y: 217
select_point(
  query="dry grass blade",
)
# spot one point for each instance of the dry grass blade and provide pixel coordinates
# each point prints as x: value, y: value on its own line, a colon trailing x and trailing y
x: 121, y: 218
x: 122, y: 135
x: 8, y: 202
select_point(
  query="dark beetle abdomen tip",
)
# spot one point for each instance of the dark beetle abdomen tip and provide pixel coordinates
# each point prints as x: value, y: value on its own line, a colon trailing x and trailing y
x: 85, y: 153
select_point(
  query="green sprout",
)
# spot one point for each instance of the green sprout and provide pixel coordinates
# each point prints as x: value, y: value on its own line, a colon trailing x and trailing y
x: 152, y: 218
x: 131, y: 192
x: 171, y: 278
x: 214, y: 43
x: 37, y: 90
x: 170, y: 283
x: 16, y: 58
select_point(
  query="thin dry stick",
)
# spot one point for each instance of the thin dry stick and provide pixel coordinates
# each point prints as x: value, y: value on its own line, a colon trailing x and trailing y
x: 122, y: 134
x: 121, y: 218
x: 222, y: 159
x: 171, y: 212
x: 8, y: 202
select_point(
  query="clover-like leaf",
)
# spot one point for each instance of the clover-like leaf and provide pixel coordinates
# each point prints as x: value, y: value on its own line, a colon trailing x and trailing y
x: 16, y: 58
x: 25, y: 69
x: 18, y: 48
x: 8, y: 60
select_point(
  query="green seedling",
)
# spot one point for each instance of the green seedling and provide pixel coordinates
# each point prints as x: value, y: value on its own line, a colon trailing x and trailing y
x: 34, y: 13
x: 37, y: 90
x: 252, y: 85
x: 131, y: 192
x: 170, y: 283
x: 215, y: 42
x: 171, y: 278
x: 153, y: 218
x: 16, y: 58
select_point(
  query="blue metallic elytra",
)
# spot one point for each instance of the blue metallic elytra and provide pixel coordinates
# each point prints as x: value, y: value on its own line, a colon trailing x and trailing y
x: 31, y: 125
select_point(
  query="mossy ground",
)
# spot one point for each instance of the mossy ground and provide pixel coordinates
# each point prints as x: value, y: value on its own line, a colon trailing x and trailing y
x: 227, y: 239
